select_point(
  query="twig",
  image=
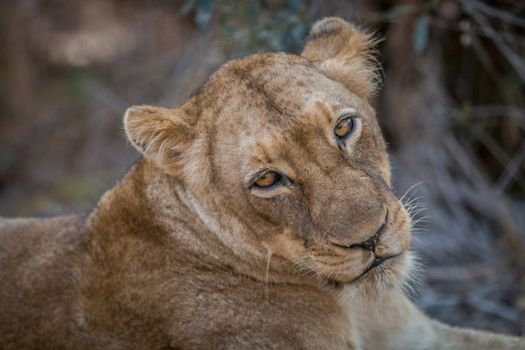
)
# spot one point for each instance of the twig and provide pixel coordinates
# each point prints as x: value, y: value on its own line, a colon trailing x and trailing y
x: 495, y: 12
x: 499, y: 153
x: 495, y: 36
x: 485, y: 111
x: 506, y: 51
x: 511, y: 169
x: 492, y: 308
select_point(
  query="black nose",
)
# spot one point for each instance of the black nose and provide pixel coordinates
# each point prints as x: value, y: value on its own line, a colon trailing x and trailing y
x: 370, y: 244
x: 378, y: 261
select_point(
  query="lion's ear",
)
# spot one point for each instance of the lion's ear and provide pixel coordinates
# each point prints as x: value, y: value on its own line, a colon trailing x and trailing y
x: 345, y: 54
x: 159, y: 134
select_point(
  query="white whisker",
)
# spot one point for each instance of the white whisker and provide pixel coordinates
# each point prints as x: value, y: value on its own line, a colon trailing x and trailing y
x: 267, y: 276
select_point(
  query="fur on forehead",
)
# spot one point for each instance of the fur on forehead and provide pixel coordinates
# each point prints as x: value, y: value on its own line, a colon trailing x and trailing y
x: 317, y: 120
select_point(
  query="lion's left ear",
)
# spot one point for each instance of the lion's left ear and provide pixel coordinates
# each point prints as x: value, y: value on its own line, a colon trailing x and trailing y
x: 161, y: 135
x: 345, y: 54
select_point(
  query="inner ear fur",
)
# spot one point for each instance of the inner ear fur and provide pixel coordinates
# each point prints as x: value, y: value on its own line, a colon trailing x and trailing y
x: 345, y: 54
x: 161, y: 135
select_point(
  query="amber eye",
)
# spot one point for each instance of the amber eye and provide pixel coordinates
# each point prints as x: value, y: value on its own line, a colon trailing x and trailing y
x: 344, y: 128
x: 267, y: 179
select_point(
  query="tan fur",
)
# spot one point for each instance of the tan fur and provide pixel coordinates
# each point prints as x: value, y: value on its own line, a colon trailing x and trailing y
x: 184, y: 253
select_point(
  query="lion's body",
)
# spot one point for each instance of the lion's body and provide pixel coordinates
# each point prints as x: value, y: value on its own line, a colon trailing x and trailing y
x: 38, y: 291
x: 134, y: 287
x: 188, y: 251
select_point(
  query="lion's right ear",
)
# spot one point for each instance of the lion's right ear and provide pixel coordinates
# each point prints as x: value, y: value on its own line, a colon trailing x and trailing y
x: 161, y: 135
x: 345, y: 54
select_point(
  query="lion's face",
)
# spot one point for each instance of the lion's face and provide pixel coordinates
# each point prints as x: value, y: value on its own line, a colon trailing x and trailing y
x: 290, y: 148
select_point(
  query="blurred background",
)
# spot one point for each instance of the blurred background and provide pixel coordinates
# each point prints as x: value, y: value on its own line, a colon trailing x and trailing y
x: 452, y: 109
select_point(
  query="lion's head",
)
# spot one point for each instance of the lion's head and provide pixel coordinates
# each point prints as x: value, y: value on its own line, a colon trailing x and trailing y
x: 283, y: 154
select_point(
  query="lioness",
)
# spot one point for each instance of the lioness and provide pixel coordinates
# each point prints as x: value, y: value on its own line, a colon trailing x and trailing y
x: 261, y: 216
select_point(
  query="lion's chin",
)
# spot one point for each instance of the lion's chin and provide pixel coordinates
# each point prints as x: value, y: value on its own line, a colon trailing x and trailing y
x: 391, y: 273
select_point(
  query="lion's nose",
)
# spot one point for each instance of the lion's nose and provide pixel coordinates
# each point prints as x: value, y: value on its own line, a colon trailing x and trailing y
x: 370, y: 243
x: 378, y: 260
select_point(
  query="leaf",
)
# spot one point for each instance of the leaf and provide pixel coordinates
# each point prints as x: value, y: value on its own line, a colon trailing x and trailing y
x: 295, y: 5
x: 420, y: 33
x: 187, y: 7
x: 204, y: 12
x: 228, y: 29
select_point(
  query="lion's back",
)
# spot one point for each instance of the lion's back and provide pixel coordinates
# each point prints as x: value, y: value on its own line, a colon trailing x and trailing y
x: 37, y: 271
x: 27, y: 240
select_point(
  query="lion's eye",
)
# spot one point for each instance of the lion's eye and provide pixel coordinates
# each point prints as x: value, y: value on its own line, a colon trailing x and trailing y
x: 344, y: 128
x: 267, y: 179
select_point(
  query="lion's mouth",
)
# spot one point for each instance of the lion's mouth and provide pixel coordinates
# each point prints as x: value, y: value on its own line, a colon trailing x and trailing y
x: 378, y: 261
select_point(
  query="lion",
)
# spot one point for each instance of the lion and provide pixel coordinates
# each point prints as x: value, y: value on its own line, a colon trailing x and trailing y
x: 260, y: 216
